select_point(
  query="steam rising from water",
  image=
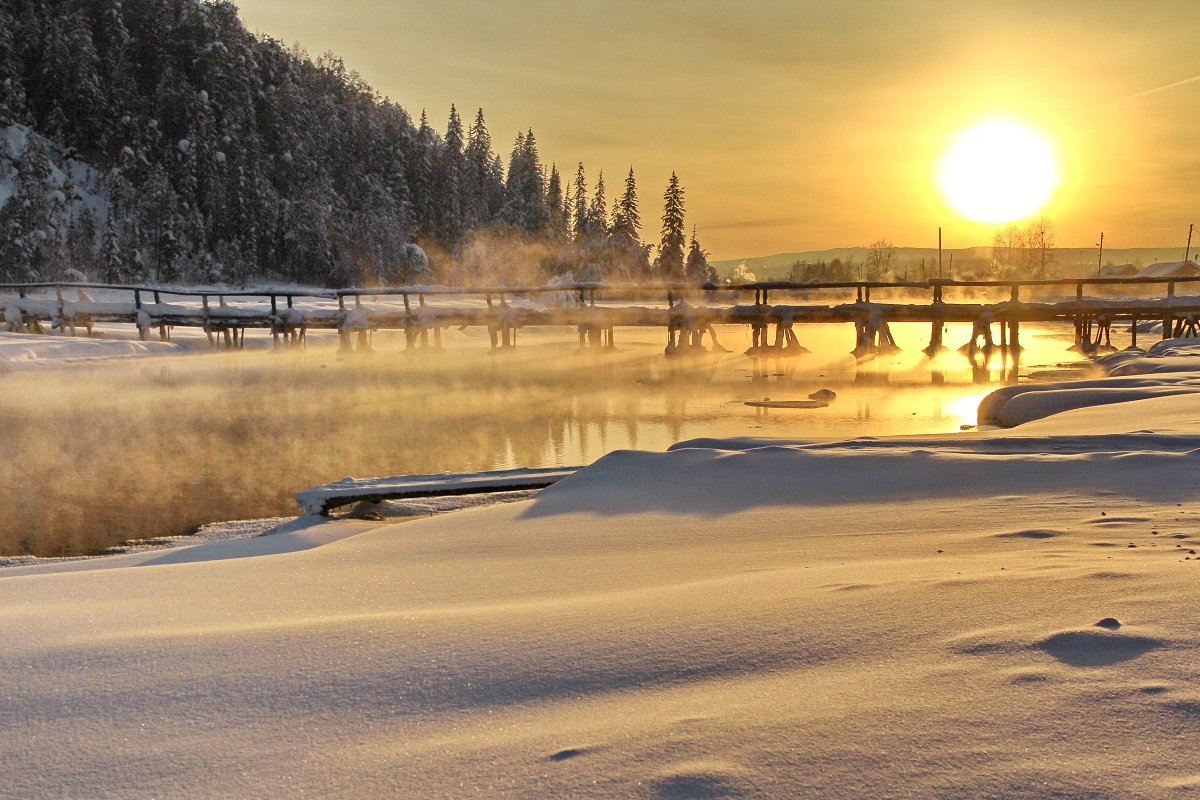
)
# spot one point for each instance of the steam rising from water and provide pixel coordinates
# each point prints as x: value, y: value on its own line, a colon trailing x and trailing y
x: 99, y: 454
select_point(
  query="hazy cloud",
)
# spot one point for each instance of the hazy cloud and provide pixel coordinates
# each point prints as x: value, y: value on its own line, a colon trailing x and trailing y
x: 777, y: 222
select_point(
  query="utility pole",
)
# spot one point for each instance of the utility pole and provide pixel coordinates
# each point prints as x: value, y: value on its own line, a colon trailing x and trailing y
x: 1100, y: 260
x: 939, y: 252
x: 1187, y: 254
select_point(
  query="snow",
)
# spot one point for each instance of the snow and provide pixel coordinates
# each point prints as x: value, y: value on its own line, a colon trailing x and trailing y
x: 320, y: 498
x: 989, y: 615
x: 89, y: 190
x: 1169, y: 269
x: 356, y: 319
x: 1169, y: 367
x: 26, y: 351
x: 1016, y: 405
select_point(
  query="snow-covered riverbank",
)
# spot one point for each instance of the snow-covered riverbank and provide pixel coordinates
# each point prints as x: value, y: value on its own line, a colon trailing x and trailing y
x: 999, y: 616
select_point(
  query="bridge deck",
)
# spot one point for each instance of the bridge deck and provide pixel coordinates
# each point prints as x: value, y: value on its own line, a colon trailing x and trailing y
x: 683, y: 311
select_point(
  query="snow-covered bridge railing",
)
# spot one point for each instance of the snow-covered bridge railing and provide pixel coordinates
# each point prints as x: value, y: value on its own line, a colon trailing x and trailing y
x: 687, y: 312
x: 322, y: 499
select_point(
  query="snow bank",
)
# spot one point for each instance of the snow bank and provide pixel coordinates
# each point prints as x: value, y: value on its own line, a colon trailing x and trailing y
x: 979, y: 618
x: 1168, y: 355
x: 23, y: 351
x: 319, y: 499
x: 1170, y: 367
x: 991, y: 616
x: 784, y: 621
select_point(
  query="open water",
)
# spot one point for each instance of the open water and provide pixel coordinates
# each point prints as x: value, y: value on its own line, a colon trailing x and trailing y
x: 99, y: 454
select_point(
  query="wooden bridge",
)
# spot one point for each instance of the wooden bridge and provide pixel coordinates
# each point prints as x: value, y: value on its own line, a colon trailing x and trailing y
x: 686, y: 313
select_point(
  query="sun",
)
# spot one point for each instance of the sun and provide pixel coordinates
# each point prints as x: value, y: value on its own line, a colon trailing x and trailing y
x: 998, y: 171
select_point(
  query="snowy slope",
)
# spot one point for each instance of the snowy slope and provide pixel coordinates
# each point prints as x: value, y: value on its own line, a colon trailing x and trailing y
x: 866, y: 619
x: 90, y: 191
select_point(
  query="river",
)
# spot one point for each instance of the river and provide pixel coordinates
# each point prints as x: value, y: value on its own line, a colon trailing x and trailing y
x: 100, y: 453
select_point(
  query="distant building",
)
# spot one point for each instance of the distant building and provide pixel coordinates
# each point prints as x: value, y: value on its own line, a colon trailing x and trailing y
x: 1170, y: 269
x: 1117, y: 271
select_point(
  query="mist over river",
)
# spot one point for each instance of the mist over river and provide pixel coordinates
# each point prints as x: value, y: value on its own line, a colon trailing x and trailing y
x: 100, y: 453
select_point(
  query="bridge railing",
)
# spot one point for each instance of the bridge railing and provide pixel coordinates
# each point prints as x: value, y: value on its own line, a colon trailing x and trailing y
x: 588, y: 291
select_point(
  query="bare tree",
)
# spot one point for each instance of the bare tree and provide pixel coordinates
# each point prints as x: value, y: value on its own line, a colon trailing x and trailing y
x: 1039, y: 235
x: 880, y: 254
x: 1025, y: 252
x: 1005, y: 246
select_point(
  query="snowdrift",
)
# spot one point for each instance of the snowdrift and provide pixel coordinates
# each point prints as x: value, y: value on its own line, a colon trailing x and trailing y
x: 1170, y: 367
x: 937, y: 616
x: 995, y: 615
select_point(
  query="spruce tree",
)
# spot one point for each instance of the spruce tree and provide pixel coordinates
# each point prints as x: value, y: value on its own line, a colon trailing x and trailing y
x: 554, y: 203
x: 512, y: 213
x: 83, y: 102
x: 81, y: 238
x: 525, y: 207
x: 495, y: 186
x: 12, y: 91
x: 421, y: 177
x: 537, y: 214
x: 449, y: 184
x: 30, y: 241
x: 579, y: 200
x: 110, y: 253
x: 697, y: 269
x: 626, y: 220
x: 113, y: 47
x: 484, y: 190
x: 598, y: 210
x: 670, y: 261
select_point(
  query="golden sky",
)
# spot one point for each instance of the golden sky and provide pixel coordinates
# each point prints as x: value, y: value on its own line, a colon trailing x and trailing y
x: 803, y: 124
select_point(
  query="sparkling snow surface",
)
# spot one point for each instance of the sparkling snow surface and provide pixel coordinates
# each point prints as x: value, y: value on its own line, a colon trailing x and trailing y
x: 999, y: 616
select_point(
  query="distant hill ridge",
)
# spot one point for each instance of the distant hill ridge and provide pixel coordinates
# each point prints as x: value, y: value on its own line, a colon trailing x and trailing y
x: 1066, y: 260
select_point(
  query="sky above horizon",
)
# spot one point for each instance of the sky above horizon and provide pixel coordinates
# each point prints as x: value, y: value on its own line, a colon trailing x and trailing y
x: 802, y: 125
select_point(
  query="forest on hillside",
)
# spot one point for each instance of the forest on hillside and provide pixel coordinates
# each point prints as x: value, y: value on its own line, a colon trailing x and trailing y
x: 160, y: 141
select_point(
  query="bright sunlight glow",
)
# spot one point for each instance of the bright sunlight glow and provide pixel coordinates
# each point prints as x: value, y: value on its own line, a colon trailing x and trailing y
x: 998, y: 171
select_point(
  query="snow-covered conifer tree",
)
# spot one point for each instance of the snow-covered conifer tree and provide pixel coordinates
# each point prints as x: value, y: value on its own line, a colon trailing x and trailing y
x: 598, y: 210
x: 697, y: 268
x: 579, y: 202
x: 450, y: 184
x: 110, y: 253
x: 670, y: 262
x: 484, y: 193
x: 626, y: 220
x: 554, y: 203
x: 525, y: 200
